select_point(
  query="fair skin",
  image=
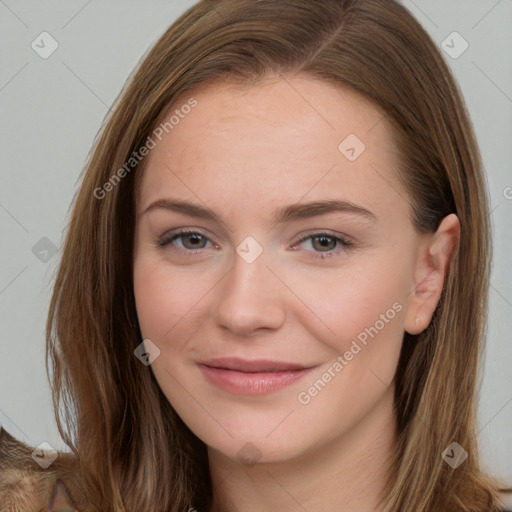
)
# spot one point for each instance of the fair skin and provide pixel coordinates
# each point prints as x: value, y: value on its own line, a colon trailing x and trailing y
x: 244, y: 154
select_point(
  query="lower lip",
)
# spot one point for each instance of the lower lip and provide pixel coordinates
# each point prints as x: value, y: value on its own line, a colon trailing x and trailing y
x: 253, y: 384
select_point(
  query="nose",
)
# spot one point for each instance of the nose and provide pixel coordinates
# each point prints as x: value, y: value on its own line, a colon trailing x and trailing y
x: 251, y: 299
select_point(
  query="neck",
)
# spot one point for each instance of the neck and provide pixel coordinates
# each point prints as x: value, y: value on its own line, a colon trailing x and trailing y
x: 346, y: 474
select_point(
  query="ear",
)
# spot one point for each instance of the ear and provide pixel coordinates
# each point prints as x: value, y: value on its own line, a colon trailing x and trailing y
x: 431, y: 269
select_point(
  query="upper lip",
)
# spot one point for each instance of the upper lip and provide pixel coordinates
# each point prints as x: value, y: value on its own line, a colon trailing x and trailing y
x: 253, y: 365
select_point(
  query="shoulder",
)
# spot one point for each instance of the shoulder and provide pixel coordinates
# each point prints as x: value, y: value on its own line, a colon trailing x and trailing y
x: 26, y: 486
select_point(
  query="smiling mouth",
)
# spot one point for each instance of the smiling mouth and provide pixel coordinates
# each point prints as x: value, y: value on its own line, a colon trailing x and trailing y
x: 252, y: 377
x: 253, y: 365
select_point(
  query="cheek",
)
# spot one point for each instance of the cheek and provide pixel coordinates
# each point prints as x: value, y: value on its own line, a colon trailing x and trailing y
x: 365, y: 300
x: 365, y: 308
x: 156, y: 307
x: 172, y: 305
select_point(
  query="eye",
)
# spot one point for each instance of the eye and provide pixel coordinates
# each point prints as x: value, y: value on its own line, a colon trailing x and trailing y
x: 324, y: 244
x: 191, y: 241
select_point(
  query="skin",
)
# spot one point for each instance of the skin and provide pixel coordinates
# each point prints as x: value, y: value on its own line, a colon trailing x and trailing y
x: 244, y: 153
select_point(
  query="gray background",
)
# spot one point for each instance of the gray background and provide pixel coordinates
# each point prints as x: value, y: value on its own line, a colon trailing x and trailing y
x: 52, y: 108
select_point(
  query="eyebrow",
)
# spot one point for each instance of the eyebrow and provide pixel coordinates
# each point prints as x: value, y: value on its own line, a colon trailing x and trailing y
x: 284, y: 214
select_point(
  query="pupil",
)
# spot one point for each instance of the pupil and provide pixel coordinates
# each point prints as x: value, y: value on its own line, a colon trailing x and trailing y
x: 324, y: 241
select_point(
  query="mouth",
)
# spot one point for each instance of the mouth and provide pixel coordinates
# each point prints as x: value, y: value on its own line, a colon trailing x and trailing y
x: 252, y: 377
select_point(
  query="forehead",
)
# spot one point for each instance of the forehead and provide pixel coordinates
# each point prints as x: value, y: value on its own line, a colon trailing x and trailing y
x: 279, y: 140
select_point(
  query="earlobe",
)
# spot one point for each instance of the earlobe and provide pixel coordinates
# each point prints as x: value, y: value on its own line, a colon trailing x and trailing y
x: 431, y: 271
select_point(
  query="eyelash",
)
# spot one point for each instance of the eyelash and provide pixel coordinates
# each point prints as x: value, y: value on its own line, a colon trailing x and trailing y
x: 343, y: 242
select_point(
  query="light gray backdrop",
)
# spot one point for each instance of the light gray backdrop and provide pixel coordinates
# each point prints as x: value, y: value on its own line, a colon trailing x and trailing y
x: 55, y: 90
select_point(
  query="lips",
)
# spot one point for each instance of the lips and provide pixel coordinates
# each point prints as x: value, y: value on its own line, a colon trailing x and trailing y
x: 253, y: 366
x: 251, y: 377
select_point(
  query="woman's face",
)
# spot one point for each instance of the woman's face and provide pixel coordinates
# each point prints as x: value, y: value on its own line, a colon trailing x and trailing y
x: 280, y: 320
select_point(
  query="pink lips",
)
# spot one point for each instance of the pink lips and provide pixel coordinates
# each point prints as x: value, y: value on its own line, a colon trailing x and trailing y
x: 255, y: 377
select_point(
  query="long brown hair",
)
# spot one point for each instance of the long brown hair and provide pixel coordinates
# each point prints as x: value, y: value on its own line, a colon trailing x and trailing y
x: 134, y: 453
